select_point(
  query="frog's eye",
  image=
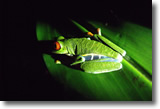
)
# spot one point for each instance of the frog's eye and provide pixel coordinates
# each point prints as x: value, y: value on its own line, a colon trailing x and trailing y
x: 57, y: 46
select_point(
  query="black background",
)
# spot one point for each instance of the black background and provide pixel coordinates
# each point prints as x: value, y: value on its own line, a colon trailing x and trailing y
x: 24, y: 75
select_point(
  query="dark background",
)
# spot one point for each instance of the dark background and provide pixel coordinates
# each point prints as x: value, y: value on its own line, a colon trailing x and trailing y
x: 24, y: 75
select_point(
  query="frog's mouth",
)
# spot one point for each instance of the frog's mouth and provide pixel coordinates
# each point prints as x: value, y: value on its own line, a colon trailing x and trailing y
x: 101, y: 58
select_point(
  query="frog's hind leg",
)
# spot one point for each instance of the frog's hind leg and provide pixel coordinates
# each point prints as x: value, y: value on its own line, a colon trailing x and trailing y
x: 111, y: 44
x: 103, y: 39
x: 100, y: 67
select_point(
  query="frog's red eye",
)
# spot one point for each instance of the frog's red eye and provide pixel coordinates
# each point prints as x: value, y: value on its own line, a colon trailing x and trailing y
x: 57, y: 46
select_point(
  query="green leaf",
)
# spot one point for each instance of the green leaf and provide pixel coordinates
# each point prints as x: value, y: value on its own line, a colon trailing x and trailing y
x: 133, y: 82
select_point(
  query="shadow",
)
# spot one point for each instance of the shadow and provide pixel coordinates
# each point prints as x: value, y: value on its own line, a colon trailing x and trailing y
x: 74, y: 103
x: 68, y: 29
x: 154, y: 53
x: 64, y: 26
x: 46, y: 46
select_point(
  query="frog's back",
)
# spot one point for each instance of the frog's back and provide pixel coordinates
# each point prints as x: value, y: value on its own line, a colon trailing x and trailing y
x: 85, y: 46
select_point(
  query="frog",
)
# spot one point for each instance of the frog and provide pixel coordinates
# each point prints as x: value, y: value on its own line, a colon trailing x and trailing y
x: 94, y: 54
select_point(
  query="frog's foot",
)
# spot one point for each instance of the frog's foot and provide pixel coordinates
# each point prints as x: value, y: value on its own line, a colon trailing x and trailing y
x: 99, y: 31
x: 58, y: 62
x: 90, y: 34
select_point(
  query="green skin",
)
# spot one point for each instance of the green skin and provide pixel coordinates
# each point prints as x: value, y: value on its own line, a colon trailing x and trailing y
x: 83, y: 47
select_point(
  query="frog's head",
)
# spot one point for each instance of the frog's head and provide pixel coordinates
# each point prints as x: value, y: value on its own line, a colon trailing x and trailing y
x: 59, y: 46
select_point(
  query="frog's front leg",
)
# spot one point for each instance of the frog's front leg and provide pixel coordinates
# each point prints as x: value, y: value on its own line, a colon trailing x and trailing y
x: 79, y: 60
x: 101, y: 38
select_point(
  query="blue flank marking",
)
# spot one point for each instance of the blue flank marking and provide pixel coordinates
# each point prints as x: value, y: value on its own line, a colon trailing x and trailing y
x: 108, y: 59
x: 105, y: 58
x: 87, y: 58
x: 111, y: 60
x: 95, y: 57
